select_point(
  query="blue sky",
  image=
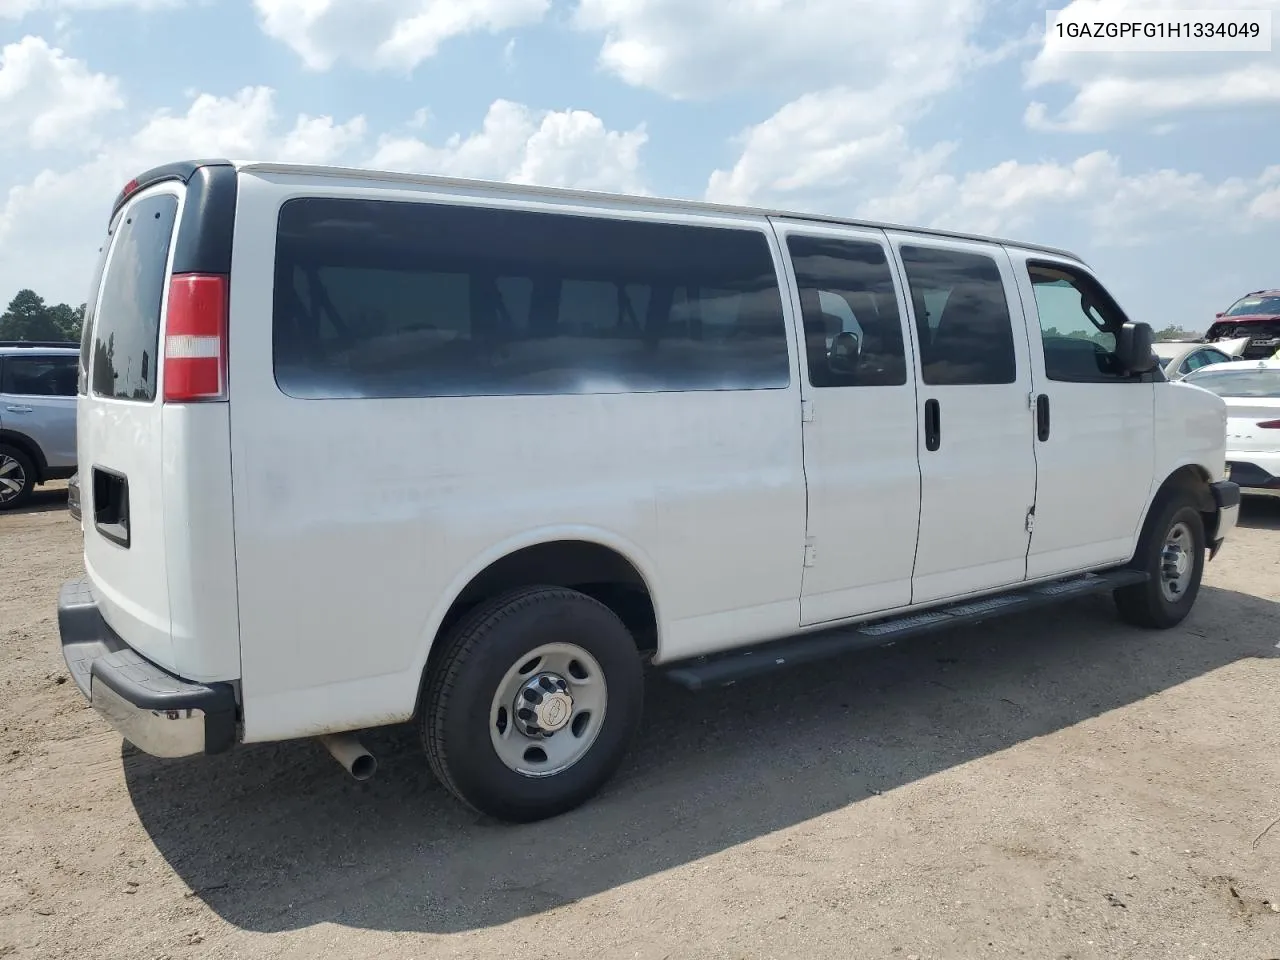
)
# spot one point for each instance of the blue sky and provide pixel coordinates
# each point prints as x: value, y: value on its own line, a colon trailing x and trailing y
x: 1162, y: 169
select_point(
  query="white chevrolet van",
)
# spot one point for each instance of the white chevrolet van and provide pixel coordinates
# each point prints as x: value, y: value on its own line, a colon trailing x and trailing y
x: 363, y: 448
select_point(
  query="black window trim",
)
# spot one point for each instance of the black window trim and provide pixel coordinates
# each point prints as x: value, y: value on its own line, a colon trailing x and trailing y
x: 1081, y: 272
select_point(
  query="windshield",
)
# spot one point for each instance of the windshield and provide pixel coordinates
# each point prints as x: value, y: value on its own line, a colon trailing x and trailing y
x: 1248, y: 306
x: 1255, y: 383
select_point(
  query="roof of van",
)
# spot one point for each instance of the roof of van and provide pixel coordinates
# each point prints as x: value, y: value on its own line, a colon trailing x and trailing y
x: 183, y: 171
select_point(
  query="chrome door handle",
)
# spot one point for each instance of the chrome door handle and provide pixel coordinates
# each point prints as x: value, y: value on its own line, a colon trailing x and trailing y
x: 13, y: 408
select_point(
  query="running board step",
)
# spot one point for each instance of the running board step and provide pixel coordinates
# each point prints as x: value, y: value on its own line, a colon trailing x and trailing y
x: 719, y: 670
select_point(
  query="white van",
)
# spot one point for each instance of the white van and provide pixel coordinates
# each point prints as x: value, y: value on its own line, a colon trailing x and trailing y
x: 363, y: 448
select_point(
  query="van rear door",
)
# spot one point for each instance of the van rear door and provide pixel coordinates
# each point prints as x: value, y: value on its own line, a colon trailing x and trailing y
x: 119, y: 443
x: 154, y: 430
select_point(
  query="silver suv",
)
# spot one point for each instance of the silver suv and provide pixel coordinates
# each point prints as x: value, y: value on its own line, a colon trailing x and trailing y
x: 37, y: 416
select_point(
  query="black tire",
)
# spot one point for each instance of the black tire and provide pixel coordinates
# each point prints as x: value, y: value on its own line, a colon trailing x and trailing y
x: 23, y: 465
x: 1146, y: 604
x: 455, y: 718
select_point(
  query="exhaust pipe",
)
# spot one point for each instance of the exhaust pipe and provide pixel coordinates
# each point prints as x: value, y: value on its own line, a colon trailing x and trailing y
x: 349, y: 752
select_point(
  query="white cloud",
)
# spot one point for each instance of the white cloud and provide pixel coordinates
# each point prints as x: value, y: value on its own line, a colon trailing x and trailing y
x: 696, y: 49
x: 385, y: 34
x: 570, y: 148
x: 811, y: 150
x: 1093, y: 192
x: 840, y: 152
x: 17, y: 9
x: 1113, y: 90
x: 48, y: 99
x: 51, y: 226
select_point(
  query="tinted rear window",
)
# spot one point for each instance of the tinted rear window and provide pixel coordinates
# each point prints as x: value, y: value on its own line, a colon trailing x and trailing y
x: 1238, y: 383
x: 395, y: 299
x: 127, y: 325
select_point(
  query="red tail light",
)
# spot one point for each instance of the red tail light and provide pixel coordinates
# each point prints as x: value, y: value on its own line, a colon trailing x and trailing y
x: 195, y: 342
x: 1270, y: 424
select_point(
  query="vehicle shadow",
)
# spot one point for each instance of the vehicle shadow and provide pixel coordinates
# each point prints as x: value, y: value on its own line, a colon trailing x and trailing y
x: 1260, y: 513
x: 277, y: 837
x: 42, y: 500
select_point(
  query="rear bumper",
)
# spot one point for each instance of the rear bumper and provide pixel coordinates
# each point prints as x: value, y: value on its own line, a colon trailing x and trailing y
x: 1226, y: 497
x: 157, y: 712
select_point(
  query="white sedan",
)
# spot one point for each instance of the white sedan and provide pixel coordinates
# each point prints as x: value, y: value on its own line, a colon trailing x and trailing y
x: 1181, y: 357
x: 1251, y: 389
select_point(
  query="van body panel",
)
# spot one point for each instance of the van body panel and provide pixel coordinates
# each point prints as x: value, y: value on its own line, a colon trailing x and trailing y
x: 353, y: 516
x: 200, y: 551
x: 861, y: 461
x: 979, y: 484
x: 1083, y: 519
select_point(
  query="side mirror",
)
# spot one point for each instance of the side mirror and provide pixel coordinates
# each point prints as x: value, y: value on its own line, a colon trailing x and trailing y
x: 1134, y: 348
x: 1218, y: 316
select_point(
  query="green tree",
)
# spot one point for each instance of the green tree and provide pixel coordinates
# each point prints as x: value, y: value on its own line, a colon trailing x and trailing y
x: 69, y: 319
x: 1175, y: 332
x: 28, y: 318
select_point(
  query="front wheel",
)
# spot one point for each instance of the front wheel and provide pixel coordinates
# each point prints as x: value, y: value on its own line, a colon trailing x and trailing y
x: 1171, y: 553
x: 533, y: 703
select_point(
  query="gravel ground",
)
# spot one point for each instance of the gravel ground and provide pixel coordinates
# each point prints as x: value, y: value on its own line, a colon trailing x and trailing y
x: 1052, y: 786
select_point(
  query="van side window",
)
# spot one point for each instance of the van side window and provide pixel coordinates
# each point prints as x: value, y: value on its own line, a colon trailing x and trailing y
x: 377, y: 298
x: 852, y: 328
x: 1078, y: 325
x: 962, y: 317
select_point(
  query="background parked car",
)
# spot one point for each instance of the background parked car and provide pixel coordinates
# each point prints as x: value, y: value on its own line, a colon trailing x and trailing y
x: 37, y: 416
x: 1180, y: 357
x: 1255, y: 316
x: 1252, y: 394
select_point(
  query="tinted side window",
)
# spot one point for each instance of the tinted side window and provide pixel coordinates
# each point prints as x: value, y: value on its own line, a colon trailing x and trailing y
x: 1202, y: 358
x: 40, y: 376
x: 395, y: 299
x: 127, y: 326
x: 90, y: 309
x: 852, y: 328
x: 962, y: 317
x: 1078, y: 325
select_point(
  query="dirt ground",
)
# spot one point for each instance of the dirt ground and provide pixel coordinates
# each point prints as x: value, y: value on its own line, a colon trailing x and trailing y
x: 1052, y: 786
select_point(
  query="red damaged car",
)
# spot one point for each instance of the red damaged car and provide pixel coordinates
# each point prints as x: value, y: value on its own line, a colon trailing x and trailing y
x: 1256, y: 316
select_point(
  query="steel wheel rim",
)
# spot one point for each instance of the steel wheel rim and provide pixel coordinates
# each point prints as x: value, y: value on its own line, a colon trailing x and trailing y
x: 13, y: 479
x: 541, y: 738
x: 1177, y: 562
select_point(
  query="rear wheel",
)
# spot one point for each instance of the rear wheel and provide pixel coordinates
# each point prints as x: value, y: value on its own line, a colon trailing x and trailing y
x: 17, y: 477
x: 533, y: 703
x: 1171, y: 552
